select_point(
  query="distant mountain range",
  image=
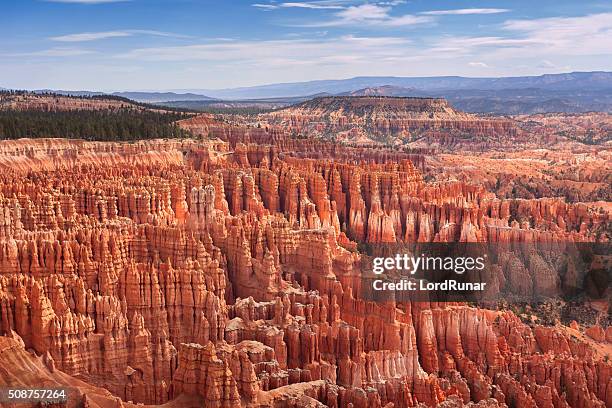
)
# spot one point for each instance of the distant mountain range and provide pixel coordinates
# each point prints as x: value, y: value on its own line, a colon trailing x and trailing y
x: 568, y: 81
x: 156, y: 97
x: 254, y: 104
x: 569, y: 92
x: 508, y: 101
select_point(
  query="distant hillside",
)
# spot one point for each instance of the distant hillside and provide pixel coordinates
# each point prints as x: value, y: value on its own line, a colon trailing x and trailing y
x: 244, y: 105
x: 21, y: 101
x: 507, y: 106
x: 593, y: 128
x: 94, y: 117
x: 568, y: 81
x: 574, y: 92
x: 145, y: 97
x: 157, y: 97
x: 24, y: 100
x: 508, y: 101
x: 385, y: 90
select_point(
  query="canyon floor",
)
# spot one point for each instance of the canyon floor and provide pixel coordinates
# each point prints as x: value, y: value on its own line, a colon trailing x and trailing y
x: 224, y: 270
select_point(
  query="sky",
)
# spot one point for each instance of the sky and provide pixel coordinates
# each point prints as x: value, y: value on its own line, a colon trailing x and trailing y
x: 111, y: 45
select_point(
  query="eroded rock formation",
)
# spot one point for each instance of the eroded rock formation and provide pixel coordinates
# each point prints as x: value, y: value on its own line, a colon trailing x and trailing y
x: 390, y: 120
x: 226, y: 274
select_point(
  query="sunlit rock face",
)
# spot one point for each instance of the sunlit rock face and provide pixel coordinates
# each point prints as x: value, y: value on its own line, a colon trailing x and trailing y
x: 379, y: 120
x: 226, y: 274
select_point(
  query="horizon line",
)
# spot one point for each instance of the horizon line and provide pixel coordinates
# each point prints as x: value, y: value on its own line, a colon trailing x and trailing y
x: 191, y: 90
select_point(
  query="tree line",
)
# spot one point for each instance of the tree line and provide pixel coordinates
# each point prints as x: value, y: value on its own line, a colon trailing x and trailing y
x: 102, y: 125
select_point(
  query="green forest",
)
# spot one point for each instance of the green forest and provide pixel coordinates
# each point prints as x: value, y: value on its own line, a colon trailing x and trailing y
x: 103, y: 125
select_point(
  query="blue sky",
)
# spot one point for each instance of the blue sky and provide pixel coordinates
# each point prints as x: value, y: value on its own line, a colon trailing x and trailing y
x: 194, y: 44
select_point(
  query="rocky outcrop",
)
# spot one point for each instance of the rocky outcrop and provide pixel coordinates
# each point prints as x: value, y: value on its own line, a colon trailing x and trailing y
x: 592, y: 128
x: 229, y: 275
x: 395, y: 120
x: 21, y: 369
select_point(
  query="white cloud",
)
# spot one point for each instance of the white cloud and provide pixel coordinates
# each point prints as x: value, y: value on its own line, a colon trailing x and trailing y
x: 465, y: 11
x: 525, y: 39
x: 478, y: 64
x: 375, y: 41
x: 315, y: 5
x: 546, y: 64
x: 80, y: 37
x: 468, y: 42
x: 583, y: 35
x: 90, y: 36
x: 265, y: 6
x: 158, y: 33
x: 53, y: 52
x: 477, y: 46
x: 405, y: 20
x: 515, y: 47
x: 554, y: 39
x: 351, y: 13
x: 312, y: 5
x: 371, y: 15
x: 364, y: 12
x: 279, y: 53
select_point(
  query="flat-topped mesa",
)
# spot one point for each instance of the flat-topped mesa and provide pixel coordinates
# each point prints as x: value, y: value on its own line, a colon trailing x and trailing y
x: 386, y: 103
x: 345, y: 110
x: 395, y: 120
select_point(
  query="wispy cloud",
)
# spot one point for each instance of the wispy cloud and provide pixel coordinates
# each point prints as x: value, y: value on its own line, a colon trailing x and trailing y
x: 583, y: 35
x: 546, y: 64
x: 53, y: 52
x: 103, y: 35
x: 364, y: 12
x: 477, y: 47
x: 372, y: 15
x: 465, y: 11
x: 524, y: 39
x: 315, y: 5
x: 90, y: 36
x: 352, y: 13
x: 293, y: 51
x: 405, y: 20
x: 478, y: 64
x: 555, y: 38
x: 312, y: 5
x: 265, y: 6
x: 522, y: 43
